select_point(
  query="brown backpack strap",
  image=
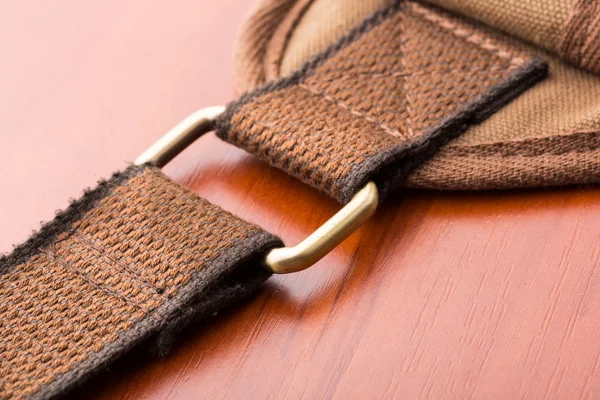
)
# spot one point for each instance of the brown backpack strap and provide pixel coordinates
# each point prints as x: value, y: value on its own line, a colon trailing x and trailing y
x: 132, y: 261
x: 140, y: 256
x: 383, y: 99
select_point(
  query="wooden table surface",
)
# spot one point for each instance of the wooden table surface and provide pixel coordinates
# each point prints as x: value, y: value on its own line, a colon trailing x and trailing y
x: 439, y: 295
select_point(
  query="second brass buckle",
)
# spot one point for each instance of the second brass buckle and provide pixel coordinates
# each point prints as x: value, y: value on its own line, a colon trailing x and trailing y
x: 286, y: 259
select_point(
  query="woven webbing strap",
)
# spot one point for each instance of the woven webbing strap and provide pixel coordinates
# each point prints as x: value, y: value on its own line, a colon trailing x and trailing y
x: 139, y: 257
x: 134, y: 260
x: 383, y: 99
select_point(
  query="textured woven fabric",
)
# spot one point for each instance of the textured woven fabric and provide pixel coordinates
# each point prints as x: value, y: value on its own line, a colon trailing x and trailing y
x: 539, y: 21
x: 580, y: 42
x: 569, y: 28
x: 132, y: 261
x: 274, y: 48
x: 282, y: 62
x: 565, y: 104
x: 256, y: 34
x: 521, y: 163
x: 385, y: 98
x: 546, y: 137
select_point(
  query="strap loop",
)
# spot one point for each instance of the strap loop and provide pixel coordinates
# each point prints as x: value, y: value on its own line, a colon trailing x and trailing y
x: 281, y: 260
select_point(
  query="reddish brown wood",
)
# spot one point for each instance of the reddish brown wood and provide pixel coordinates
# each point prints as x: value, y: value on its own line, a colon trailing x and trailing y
x: 439, y: 296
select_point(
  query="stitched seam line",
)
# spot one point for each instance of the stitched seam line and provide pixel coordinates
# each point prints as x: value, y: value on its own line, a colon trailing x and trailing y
x: 516, y: 155
x: 289, y: 34
x: 382, y: 125
x: 115, y: 272
x: 567, y: 41
x: 396, y: 74
x: 97, y: 285
x: 586, y: 35
x: 581, y: 150
x: 590, y: 47
x: 104, y: 252
x: 409, y: 107
x: 69, y: 286
x: 345, y: 107
x: 463, y: 33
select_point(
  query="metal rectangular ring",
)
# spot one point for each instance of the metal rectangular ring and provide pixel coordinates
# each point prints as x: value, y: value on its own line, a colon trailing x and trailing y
x: 281, y: 260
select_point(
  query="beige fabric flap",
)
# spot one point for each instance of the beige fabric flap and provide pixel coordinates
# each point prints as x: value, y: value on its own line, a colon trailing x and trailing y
x: 565, y: 107
x: 568, y: 28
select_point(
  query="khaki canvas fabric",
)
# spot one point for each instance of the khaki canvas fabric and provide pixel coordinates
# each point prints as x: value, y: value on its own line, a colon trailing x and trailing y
x: 131, y: 263
x: 542, y: 22
x: 252, y: 45
x: 568, y: 28
x: 564, y: 109
x: 548, y: 136
x: 382, y: 100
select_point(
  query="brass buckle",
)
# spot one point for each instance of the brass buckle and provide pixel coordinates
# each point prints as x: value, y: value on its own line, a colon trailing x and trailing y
x: 281, y: 260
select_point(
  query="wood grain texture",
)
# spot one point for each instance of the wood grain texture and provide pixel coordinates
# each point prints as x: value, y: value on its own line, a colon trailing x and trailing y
x: 440, y: 295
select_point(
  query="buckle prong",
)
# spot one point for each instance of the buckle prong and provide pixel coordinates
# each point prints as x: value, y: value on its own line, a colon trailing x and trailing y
x: 281, y: 260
